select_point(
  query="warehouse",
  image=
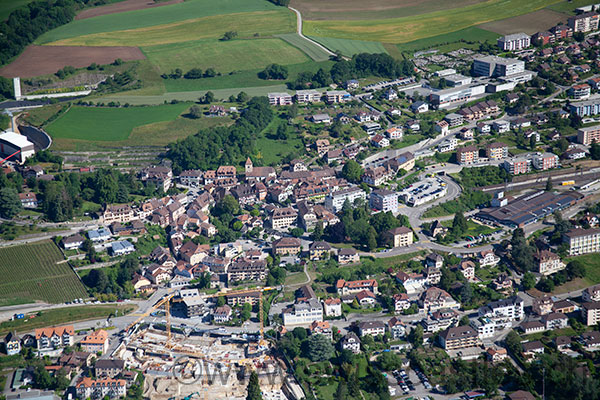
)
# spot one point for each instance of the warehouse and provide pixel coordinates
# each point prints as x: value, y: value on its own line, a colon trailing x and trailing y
x: 11, y: 142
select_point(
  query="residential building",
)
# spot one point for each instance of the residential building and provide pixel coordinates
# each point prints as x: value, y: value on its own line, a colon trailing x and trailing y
x: 501, y: 126
x: 348, y: 256
x: 108, y: 368
x: 121, y: 247
x: 350, y: 342
x: 395, y: 132
x: 585, y: 108
x: 497, y: 355
x: 352, y: 287
x: 548, y: 262
x: 12, y: 344
x: 222, y: 314
x: 400, y: 237
x: 590, y: 312
x: 321, y: 328
x: 542, y: 305
x: 485, y: 327
x: 251, y: 298
x: 488, y: 259
x: 584, y: 22
x: 531, y: 327
x: 467, y: 155
x: 28, y: 200
x: 99, y: 235
x: 377, y: 176
x: 454, y: 119
x: 580, y: 92
x: 514, y: 42
x: 434, y: 260
x: 378, y: 140
x: 283, y: 218
x: 517, y: 165
x: 532, y: 349
x: 496, y: 151
x: 384, y: 200
x: 555, y: 320
x: 280, y: 99
x: 321, y: 119
x: 544, y: 161
x: 95, y: 342
x: 401, y: 302
x: 73, y: 242
x: 459, y: 337
x: 247, y: 270
x: 319, y: 250
x: 591, y: 294
x: 53, y: 338
x: 99, y: 388
x: 397, y: 328
x: 308, y: 96
x: 122, y: 213
x: 590, y: 340
x: 337, y: 96
x: 435, y: 298
x: 588, y: 135
x: 305, y: 312
x: 510, y: 309
x: 582, y: 241
x: 287, y: 246
x: 419, y: 107
x: 332, y: 307
x: 494, y: 66
x: 447, y: 145
x: 372, y: 328
x: 335, y: 200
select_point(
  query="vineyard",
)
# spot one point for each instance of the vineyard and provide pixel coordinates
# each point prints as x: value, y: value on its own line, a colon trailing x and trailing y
x: 32, y: 272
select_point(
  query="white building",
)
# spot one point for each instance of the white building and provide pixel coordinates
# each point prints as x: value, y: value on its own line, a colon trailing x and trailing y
x: 384, y: 200
x: 100, y: 388
x: 505, y: 310
x: 332, y: 307
x: 335, y: 201
x: 280, y: 99
x: 308, y: 96
x: 305, y: 312
x: 485, y: 327
x: 582, y: 241
x: 514, y: 42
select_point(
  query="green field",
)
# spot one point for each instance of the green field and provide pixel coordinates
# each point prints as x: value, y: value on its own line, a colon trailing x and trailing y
x: 350, y: 47
x: 8, y: 6
x: 261, y: 23
x: 224, y: 57
x: 471, y: 34
x: 569, y: 6
x: 310, y: 49
x: 154, y: 16
x: 33, y: 271
x: 408, y: 29
x: 592, y: 274
x: 65, y: 315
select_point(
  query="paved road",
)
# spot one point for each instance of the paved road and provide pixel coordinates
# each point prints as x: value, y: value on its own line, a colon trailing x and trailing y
x: 299, y: 30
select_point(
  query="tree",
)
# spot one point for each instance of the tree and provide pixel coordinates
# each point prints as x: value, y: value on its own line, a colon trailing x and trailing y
x: 416, y: 336
x: 195, y: 112
x: 532, y: 142
x: 341, y: 392
x: 10, y: 205
x: 389, y: 361
x: 352, y: 171
x: 229, y: 35
x: 595, y: 150
x: 318, y: 231
x: 549, y: 185
x: 297, y: 232
x: 242, y: 97
x: 254, y: 392
x: 220, y: 301
x: 464, y: 321
x: 274, y: 71
x: 459, y: 224
x: 528, y: 280
x: 319, y: 348
x: 209, y: 97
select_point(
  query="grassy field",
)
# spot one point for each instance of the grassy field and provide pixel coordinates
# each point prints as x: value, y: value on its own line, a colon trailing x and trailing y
x: 570, y: 6
x: 64, y: 315
x: 109, y: 124
x: 531, y: 23
x: 8, y: 6
x: 273, y: 151
x: 592, y: 274
x: 471, y: 34
x: 310, y: 49
x: 224, y: 57
x: 350, y: 47
x: 154, y: 16
x: 262, y: 23
x: 33, y: 271
x: 407, y: 29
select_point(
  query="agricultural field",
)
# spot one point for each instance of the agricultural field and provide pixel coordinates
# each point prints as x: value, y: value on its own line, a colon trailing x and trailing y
x: 36, y: 271
x: 310, y: 49
x: 350, y: 47
x: 8, y: 6
x: 570, y: 5
x: 122, y: 6
x: 471, y: 34
x: 537, y: 21
x: 407, y: 29
x: 85, y: 128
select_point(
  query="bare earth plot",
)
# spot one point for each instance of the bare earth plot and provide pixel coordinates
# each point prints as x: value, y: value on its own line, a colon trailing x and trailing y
x: 531, y: 23
x: 42, y: 60
x: 127, y: 5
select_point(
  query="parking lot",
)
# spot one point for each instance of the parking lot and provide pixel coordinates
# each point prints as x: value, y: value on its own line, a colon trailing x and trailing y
x: 424, y: 191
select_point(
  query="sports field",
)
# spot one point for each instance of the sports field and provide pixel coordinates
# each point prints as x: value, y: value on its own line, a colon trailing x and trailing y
x: 350, y: 47
x: 154, y: 16
x: 36, y: 271
x: 407, y: 29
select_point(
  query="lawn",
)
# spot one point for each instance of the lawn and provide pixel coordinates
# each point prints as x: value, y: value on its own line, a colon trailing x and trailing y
x: 407, y: 29
x: 309, y: 48
x: 272, y: 151
x: 223, y: 57
x: 154, y: 16
x: 35, y: 271
x: 350, y: 47
x: 473, y: 228
x: 63, y: 315
x: 395, y: 260
x: 261, y: 23
x: 592, y: 274
x: 471, y: 34
x: 108, y: 123
x: 295, y: 278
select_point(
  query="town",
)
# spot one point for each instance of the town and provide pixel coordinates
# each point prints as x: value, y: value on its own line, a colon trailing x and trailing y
x: 424, y: 227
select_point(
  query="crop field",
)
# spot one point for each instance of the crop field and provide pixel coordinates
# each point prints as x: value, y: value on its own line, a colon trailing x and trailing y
x: 122, y: 6
x: 262, y: 23
x: 350, y: 47
x: 224, y: 57
x: 570, y: 6
x: 310, y: 49
x: 34, y: 271
x: 471, y: 34
x: 154, y: 16
x: 407, y: 29
x: 537, y: 21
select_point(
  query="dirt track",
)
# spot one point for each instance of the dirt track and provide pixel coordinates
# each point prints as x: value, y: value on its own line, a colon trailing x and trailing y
x: 42, y: 60
x: 127, y: 5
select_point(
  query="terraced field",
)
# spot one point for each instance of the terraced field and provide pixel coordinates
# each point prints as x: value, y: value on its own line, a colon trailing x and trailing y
x: 35, y: 271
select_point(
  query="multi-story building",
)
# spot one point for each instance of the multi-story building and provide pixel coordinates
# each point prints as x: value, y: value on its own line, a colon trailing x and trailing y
x: 401, y: 302
x: 485, y: 327
x: 332, y: 307
x: 584, y: 22
x: 377, y: 176
x: 308, y: 96
x: 337, y: 96
x: 95, y: 342
x: 108, y: 368
x: 335, y: 201
x: 287, y: 246
x: 251, y: 298
x: 280, y: 99
x: 397, y: 328
x: 591, y: 294
x: 590, y: 312
x: 99, y: 388
x: 348, y: 256
x: 222, y: 314
x: 514, y: 42
x: 582, y: 241
x: 436, y: 299
x: 372, y: 328
x: 494, y: 66
x: 54, y: 337
x: 247, y: 270
x: 585, y: 108
x: 510, y: 309
x: 191, y: 177
x: 580, y: 92
x: 496, y: 151
x: 283, y: 218
x: 517, y: 165
x: 321, y: 328
x: 588, y: 135
x: 384, y: 200
x: 545, y: 161
x: 350, y: 342
x: 319, y: 250
x: 555, y: 320
x: 467, y: 155
x: 548, y: 262
x: 305, y: 312
x: 399, y: 237
x: 345, y: 288
x: 542, y: 305
x: 446, y: 97
x: 459, y: 337
x: 122, y: 213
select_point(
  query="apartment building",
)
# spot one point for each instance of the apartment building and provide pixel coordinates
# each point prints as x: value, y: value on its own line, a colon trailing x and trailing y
x: 99, y: 388
x: 372, y: 328
x: 514, y: 42
x: 332, y: 307
x: 399, y: 237
x: 485, y: 327
x: 287, y: 246
x: 467, y: 155
x: 222, y: 314
x: 545, y: 161
x: 54, y: 337
x: 548, y: 262
x: 588, y: 135
x: 585, y: 22
x: 459, y: 337
x: 108, y: 367
x: 510, y: 309
x: 283, y: 218
x: 582, y: 241
x: 345, y: 288
x: 251, y: 298
x: 517, y: 165
x: 590, y: 312
x: 95, y: 342
x: 308, y: 96
x: 496, y: 151
x: 247, y: 270
x: 436, y: 299
x: 377, y: 176
x: 494, y: 66
x: 591, y: 294
x: 337, y: 96
x: 585, y: 108
x: 335, y: 201
x: 580, y: 92
x: 347, y: 256
x: 305, y: 312
x: 122, y: 213
x: 384, y: 200
x: 280, y: 99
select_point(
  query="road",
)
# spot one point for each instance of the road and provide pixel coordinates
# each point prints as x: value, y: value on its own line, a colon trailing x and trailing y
x: 299, y: 31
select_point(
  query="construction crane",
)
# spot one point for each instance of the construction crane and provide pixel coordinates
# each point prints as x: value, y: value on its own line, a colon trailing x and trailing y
x: 162, y: 302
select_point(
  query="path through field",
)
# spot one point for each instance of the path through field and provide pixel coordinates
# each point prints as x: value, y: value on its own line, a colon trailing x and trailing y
x: 299, y: 27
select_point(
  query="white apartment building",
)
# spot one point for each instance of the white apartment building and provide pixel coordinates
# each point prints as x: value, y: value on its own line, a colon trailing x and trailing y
x: 591, y: 294
x: 485, y: 327
x: 384, y: 200
x: 372, y: 328
x: 335, y: 201
x: 514, y: 42
x: 494, y: 66
x: 280, y: 99
x: 305, y: 312
x: 545, y: 161
x: 337, y: 96
x: 332, y: 307
x: 548, y: 262
x: 582, y: 241
x: 590, y: 312
x: 100, y: 388
x: 283, y: 218
x: 308, y: 96
x: 510, y: 309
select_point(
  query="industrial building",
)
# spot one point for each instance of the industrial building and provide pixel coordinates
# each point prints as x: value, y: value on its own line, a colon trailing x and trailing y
x: 11, y: 143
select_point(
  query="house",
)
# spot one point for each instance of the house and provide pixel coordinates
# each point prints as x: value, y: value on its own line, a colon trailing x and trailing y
x: 590, y: 340
x: 157, y: 274
x: 459, y: 337
x: 564, y: 307
x: 53, y: 338
x: 435, y: 299
x: 28, y: 200
x: 562, y: 342
x: 121, y: 247
x: 501, y: 126
x: 413, y: 125
x: 350, y: 342
x: 447, y: 145
x: 442, y: 127
x: 521, y: 395
x: 72, y: 242
x: 488, y: 259
x: 99, y: 235
x: 332, y: 307
x: 532, y: 327
x: 287, y: 246
x: 454, y: 119
x: 555, y: 320
x: 365, y: 298
x: 352, y: 84
x: 216, y: 111
x: 419, y: 107
x: 531, y: 349
x: 467, y: 268
x: 372, y: 328
x: 108, y: 368
x: 95, y: 342
x: 390, y: 95
x: 100, y: 388
x: 160, y: 176
x: 395, y: 132
x: 399, y: 237
x: 347, y: 256
x: 548, y: 262
x: 319, y: 250
x: 437, y: 229
x: 122, y: 213
x: 401, y: 302
x: 321, y: 328
x: 496, y: 354
x: 344, y: 288
x: 322, y: 146
x: 283, y: 218
x: 321, y: 119
x: 222, y: 314
x: 434, y: 260
x: 396, y: 328
x: 12, y: 343
x: 484, y: 128
x: 380, y: 141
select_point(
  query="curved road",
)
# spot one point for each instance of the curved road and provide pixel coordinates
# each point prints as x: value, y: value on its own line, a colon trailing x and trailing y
x: 299, y: 31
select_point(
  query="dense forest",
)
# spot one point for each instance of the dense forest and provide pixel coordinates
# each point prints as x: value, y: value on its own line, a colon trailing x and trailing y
x: 229, y: 145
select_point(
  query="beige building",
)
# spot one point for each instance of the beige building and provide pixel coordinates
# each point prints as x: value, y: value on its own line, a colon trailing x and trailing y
x: 459, y: 337
x: 283, y: 218
x: 590, y: 312
x: 286, y: 246
x: 400, y: 237
x: 582, y: 241
x: 548, y: 262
